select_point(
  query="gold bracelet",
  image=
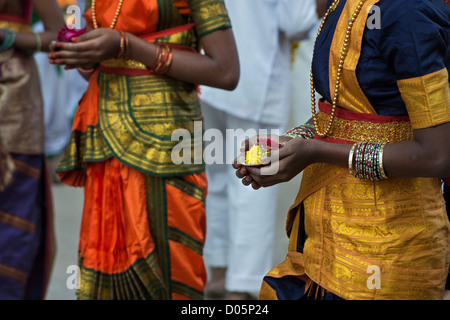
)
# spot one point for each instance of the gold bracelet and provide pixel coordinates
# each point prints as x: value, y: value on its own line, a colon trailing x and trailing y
x: 381, y: 165
x: 38, y: 41
x: 350, y: 159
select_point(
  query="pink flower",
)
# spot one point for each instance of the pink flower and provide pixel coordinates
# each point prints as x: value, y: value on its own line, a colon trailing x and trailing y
x: 66, y: 34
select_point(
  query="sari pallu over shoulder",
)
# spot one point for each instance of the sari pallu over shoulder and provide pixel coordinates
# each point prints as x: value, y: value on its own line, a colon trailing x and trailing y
x: 339, y: 226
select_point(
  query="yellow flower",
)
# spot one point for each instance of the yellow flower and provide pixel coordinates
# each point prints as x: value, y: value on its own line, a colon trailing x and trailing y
x: 253, y: 156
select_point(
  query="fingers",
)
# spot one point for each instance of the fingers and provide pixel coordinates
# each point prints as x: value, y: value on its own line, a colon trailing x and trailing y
x: 72, y: 54
x: 81, y: 50
x: 255, y: 185
x: 262, y: 180
x: 241, y: 172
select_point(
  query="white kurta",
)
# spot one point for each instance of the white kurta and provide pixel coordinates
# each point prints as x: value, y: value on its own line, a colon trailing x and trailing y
x: 263, y: 30
x: 241, y: 221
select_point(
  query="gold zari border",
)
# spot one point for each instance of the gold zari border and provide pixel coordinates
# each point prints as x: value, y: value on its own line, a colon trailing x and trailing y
x: 363, y: 131
x: 121, y: 63
x: 15, y: 26
x: 427, y: 99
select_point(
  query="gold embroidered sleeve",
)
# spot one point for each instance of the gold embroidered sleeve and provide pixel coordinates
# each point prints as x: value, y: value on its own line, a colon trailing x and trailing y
x: 209, y: 16
x: 427, y: 99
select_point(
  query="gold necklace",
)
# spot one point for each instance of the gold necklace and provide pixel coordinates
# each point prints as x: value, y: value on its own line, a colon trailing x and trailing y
x: 113, y: 23
x: 344, y: 52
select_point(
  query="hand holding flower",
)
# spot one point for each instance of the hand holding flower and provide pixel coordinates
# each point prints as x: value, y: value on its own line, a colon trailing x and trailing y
x: 86, y: 50
x: 66, y: 34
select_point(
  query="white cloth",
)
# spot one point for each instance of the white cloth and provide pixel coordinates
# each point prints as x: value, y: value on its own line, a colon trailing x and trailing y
x: 263, y: 30
x: 240, y: 221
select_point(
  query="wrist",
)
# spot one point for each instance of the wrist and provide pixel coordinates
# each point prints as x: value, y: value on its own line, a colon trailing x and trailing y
x: 313, y: 151
x: 123, y: 46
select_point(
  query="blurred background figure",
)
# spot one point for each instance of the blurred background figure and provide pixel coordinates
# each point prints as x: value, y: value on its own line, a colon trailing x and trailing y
x: 26, y: 232
x: 61, y: 92
x: 241, y: 222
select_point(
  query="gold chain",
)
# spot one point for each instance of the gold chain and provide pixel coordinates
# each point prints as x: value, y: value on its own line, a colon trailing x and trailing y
x: 113, y: 23
x: 344, y: 52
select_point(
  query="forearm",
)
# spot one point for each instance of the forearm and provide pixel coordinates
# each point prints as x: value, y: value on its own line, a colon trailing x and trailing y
x: 207, y: 69
x: 426, y: 156
x: 33, y: 42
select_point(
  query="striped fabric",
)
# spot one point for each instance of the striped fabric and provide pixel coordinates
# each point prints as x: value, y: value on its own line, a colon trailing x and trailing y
x: 25, y: 261
x: 139, y: 232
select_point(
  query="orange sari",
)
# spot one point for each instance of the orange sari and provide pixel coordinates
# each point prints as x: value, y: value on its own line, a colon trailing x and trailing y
x: 143, y: 226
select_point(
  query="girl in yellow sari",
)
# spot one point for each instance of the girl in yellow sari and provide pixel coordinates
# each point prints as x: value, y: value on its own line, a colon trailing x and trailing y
x: 143, y: 224
x: 369, y: 221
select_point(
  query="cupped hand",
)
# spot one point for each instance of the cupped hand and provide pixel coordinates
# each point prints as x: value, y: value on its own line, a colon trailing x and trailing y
x: 283, y: 165
x: 87, y: 50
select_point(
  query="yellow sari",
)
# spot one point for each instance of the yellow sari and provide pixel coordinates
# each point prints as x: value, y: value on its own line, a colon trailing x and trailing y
x: 364, y: 239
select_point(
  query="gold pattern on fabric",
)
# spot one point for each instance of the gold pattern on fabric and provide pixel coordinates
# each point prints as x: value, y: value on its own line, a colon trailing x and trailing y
x: 427, y: 99
x: 84, y: 147
x: 21, y: 105
x: 139, y: 114
x: 209, y: 16
x: 126, y: 285
x: 121, y: 63
x: 315, y: 177
x: 399, y: 226
x: 6, y: 166
x: 15, y: 26
x: 13, y: 273
x: 364, y: 131
x: 27, y: 169
x: 351, y: 96
x: 17, y: 222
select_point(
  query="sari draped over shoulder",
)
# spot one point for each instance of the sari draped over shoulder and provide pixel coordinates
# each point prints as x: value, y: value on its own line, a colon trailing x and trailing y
x: 143, y: 225
x: 359, y: 239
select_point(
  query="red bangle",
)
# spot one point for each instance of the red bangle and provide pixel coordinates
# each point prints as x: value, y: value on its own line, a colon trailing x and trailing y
x: 164, y: 58
x: 124, y: 43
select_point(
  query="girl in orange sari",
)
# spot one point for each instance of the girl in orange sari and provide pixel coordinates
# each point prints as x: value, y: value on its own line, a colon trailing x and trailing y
x: 143, y: 225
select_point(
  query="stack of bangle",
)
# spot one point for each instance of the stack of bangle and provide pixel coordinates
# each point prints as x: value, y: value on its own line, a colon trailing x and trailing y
x: 10, y: 38
x: 124, y: 45
x: 367, y: 158
x: 164, y: 58
x: 306, y: 131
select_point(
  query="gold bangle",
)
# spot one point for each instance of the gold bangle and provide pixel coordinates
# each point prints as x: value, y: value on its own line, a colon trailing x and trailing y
x: 381, y: 165
x: 350, y: 159
x: 38, y: 41
x: 122, y: 46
